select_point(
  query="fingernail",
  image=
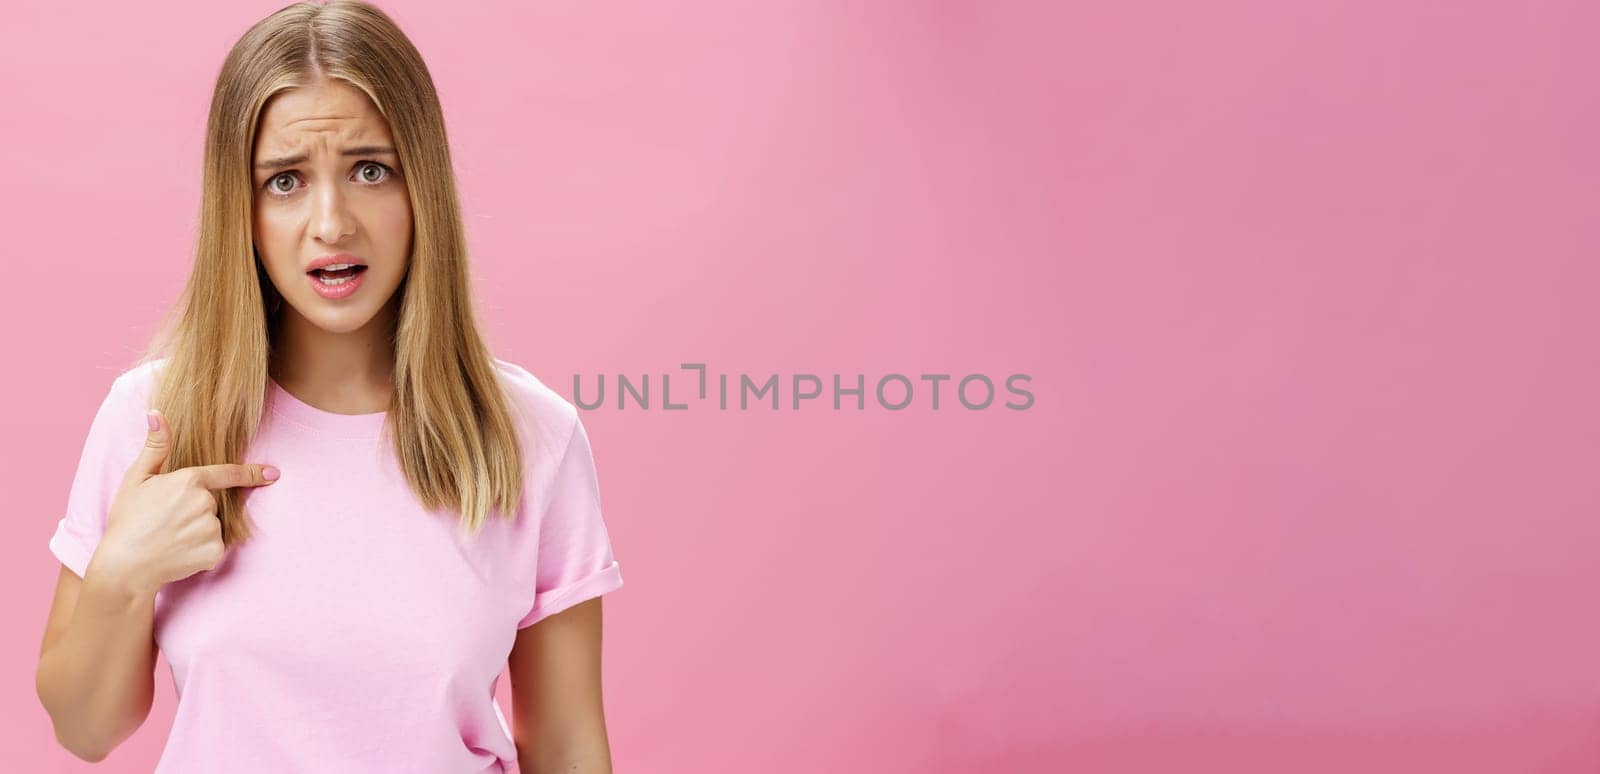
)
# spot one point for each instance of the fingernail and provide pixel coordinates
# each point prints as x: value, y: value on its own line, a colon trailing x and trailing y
x: 269, y: 473
x: 150, y: 419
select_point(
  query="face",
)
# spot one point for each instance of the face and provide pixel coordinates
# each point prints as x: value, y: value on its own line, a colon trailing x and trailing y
x: 328, y: 185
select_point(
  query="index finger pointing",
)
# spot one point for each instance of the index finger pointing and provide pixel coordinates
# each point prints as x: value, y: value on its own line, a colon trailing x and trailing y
x: 228, y: 475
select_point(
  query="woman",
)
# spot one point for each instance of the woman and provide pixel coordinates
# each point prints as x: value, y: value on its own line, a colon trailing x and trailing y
x: 318, y: 494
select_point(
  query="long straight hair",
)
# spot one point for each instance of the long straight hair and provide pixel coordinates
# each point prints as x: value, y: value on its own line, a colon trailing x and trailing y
x: 451, y: 424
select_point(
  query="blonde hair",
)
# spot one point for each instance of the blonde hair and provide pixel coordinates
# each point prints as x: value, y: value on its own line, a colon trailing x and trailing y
x: 451, y: 424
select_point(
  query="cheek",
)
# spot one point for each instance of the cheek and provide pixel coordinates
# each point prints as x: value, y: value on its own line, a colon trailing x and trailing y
x: 275, y: 239
x: 274, y: 221
x: 390, y: 227
x: 268, y: 235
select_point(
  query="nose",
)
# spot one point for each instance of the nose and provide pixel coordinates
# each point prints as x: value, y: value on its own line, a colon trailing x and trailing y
x: 331, y: 219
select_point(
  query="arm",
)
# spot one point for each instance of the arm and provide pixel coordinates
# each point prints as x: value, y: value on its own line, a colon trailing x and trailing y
x: 96, y: 672
x: 556, y: 702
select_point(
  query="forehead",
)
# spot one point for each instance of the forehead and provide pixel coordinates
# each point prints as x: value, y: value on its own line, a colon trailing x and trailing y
x: 330, y: 107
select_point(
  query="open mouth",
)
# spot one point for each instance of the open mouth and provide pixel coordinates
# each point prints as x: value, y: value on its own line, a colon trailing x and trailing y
x: 337, y: 276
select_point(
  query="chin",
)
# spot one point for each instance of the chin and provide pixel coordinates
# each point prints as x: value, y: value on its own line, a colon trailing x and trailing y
x: 347, y: 320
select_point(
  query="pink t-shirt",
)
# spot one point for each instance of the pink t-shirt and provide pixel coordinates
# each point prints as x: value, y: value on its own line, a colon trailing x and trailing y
x: 356, y: 631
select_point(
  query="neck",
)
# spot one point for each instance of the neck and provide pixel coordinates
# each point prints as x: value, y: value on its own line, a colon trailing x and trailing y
x: 344, y: 372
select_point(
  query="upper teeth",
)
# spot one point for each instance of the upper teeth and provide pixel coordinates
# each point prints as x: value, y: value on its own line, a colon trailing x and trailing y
x: 337, y: 266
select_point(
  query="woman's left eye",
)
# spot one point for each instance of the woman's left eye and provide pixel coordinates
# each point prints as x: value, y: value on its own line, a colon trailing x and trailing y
x: 383, y: 171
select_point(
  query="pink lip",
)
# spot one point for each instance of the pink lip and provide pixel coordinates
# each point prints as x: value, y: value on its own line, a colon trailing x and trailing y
x: 336, y: 292
x: 332, y: 259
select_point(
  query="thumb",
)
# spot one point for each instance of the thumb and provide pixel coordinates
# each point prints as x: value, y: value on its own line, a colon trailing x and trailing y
x: 157, y: 442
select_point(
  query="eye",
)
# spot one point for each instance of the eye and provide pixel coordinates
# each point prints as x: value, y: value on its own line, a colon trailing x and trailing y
x: 273, y: 188
x: 383, y: 172
x: 370, y: 172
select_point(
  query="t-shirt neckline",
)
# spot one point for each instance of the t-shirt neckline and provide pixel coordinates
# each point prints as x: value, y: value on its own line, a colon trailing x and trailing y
x: 285, y: 404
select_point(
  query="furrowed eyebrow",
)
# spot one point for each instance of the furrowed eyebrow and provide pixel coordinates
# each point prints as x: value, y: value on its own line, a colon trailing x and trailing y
x: 289, y: 161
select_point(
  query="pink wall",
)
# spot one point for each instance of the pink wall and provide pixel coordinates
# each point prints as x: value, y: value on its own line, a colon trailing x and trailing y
x: 1306, y: 291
